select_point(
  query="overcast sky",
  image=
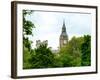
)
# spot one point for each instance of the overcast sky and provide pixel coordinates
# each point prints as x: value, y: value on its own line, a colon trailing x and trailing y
x: 49, y: 24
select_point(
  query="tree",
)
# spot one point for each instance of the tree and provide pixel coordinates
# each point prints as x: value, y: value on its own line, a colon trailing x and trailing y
x: 71, y: 54
x: 43, y: 57
x: 86, y: 51
x: 27, y: 29
x: 26, y: 57
x: 77, y: 52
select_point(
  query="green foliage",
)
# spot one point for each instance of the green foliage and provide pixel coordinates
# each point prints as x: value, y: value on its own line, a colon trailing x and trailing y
x: 26, y: 58
x: 27, y: 25
x: 57, y: 61
x: 43, y: 57
x: 77, y: 52
x: 86, y: 51
x: 27, y: 43
x: 27, y: 29
x: 71, y: 54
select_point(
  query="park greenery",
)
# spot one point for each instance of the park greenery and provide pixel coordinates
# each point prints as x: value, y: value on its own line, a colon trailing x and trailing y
x: 76, y: 53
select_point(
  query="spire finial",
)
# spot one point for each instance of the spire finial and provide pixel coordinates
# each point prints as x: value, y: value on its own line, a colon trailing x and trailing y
x: 63, y: 23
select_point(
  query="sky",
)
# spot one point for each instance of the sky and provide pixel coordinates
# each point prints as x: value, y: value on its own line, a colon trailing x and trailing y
x: 48, y: 26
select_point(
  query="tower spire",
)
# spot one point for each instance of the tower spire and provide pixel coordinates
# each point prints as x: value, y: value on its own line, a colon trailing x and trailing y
x: 63, y: 36
x: 64, y: 27
x: 63, y: 22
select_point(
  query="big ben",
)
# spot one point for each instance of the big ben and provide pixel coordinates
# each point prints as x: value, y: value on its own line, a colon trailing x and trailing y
x: 63, y: 37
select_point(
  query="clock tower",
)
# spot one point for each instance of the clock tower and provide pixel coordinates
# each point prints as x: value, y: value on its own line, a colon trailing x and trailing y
x: 63, y: 37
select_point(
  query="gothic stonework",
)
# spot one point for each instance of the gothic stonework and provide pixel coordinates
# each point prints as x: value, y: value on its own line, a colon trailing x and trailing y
x: 63, y: 37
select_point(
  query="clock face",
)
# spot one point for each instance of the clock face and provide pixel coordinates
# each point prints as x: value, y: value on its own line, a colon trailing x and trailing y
x: 65, y: 41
